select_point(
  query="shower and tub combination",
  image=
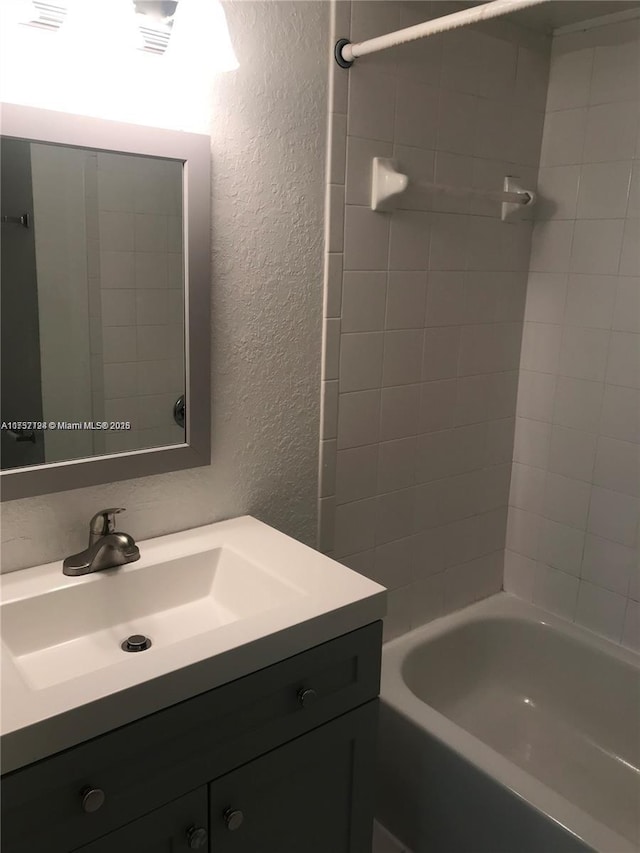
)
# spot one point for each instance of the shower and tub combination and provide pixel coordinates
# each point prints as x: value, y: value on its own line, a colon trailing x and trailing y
x: 491, y: 246
x: 505, y: 728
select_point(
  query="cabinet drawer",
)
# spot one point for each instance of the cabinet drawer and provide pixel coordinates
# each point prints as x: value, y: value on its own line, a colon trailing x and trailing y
x: 160, y: 757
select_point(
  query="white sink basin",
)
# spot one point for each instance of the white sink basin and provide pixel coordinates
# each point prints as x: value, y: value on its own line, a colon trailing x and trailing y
x: 217, y: 603
x: 76, y: 629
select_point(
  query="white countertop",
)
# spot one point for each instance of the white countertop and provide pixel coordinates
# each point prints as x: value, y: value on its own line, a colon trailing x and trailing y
x: 333, y: 600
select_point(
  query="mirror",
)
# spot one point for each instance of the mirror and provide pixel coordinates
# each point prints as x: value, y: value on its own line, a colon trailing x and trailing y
x: 92, y: 294
x: 96, y: 244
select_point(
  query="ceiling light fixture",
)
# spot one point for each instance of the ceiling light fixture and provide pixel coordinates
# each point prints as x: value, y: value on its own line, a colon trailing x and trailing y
x: 48, y: 16
x: 149, y: 62
x: 200, y: 37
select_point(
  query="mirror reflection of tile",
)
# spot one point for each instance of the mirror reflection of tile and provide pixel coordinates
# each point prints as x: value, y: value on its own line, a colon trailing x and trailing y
x: 108, y: 226
x: 141, y: 298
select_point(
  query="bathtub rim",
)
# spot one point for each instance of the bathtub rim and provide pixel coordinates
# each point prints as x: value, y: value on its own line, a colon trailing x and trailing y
x: 396, y: 694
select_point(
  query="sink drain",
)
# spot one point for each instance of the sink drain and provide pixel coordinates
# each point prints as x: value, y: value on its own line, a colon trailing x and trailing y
x: 136, y: 643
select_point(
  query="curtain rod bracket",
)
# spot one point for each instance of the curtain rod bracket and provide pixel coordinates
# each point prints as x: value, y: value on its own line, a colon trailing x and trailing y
x: 337, y: 52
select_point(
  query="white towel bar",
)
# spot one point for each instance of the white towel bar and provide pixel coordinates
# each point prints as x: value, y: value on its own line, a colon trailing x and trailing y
x: 387, y: 183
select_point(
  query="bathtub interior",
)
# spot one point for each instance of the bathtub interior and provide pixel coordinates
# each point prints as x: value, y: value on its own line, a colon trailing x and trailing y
x: 565, y: 712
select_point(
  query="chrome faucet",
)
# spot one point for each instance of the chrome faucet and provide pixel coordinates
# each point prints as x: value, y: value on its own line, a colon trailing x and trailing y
x: 107, y: 547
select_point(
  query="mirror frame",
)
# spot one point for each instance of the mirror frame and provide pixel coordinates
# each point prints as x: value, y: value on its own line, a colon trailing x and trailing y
x: 194, y: 150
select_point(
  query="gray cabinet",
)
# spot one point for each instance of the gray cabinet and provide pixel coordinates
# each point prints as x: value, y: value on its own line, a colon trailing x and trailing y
x: 290, y: 746
x: 179, y: 827
x: 314, y: 794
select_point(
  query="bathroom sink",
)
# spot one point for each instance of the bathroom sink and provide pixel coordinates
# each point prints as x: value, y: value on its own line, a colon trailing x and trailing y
x: 80, y: 627
x: 217, y: 603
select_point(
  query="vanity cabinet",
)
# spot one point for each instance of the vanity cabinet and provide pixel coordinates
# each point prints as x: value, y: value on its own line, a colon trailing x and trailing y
x: 280, y: 761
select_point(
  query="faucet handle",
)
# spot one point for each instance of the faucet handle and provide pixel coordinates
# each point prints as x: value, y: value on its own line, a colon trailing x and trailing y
x: 103, y: 522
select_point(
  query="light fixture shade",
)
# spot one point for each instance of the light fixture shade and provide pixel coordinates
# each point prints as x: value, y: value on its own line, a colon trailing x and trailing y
x: 95, y: 27
x: 48, y: 14
x: 200, y: 37
x: 92, y: 65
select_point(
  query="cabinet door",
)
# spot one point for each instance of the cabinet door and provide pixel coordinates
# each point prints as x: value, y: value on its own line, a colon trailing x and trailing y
x: 178, y: 827
x: 315, y: 794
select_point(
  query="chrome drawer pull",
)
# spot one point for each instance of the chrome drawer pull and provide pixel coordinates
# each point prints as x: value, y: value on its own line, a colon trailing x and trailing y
x: 92, y: 799
x: 233, y: 819
x: 197, y: 837
x: 307, y: 696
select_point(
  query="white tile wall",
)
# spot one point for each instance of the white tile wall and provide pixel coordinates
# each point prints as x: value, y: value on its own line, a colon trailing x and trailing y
x: 363, y: 301
x: 575, y: 506
x: 424, y: 309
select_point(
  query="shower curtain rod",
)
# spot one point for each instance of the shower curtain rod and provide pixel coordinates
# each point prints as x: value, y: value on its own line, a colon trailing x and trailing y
x: 345, y: 52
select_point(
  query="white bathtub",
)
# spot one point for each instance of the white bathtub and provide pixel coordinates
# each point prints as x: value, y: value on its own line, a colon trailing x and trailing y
x: 507, y: 730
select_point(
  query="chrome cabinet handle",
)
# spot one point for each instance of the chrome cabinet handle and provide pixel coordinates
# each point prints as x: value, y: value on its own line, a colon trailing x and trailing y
x: 233, y: 819
x: 92, y: 799
x: 197, y: 837
x: 307, y: 696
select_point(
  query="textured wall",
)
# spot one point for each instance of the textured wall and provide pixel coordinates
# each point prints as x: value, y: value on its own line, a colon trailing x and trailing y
x: 268, y: 148
x: 424, y: 307
x: 575, y: 495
